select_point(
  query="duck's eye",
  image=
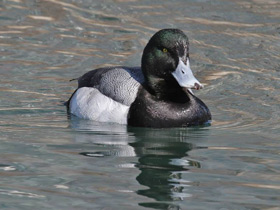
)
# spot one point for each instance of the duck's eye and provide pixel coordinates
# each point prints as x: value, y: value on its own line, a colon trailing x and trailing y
x: 164, y: 50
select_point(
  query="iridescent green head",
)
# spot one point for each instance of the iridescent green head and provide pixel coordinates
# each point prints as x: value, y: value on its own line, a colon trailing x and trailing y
x: 166, y: 60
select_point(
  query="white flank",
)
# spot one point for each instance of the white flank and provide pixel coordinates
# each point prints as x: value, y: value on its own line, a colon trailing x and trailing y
x: 89, y: 103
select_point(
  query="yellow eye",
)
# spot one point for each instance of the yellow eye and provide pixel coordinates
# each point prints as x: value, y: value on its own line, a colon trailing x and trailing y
x: 164, y: 50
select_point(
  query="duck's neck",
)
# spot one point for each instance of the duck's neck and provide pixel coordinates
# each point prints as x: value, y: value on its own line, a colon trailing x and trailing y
x: 167, y: 90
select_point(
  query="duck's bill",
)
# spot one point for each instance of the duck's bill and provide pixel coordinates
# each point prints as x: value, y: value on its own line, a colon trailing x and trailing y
x: 184, y: 76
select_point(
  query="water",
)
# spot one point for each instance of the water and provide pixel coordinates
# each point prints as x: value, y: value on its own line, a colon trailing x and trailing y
x: 50, y: 161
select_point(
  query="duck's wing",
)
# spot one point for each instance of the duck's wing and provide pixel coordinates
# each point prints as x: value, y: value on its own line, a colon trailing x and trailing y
x: 118, y: 83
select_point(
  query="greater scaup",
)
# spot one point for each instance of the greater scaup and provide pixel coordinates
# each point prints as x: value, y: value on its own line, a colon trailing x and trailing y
x: 156, y: 95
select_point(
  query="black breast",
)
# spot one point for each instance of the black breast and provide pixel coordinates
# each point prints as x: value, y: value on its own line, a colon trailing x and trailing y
x: 148, y: 111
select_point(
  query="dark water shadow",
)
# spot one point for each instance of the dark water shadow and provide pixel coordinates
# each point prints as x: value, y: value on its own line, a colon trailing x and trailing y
x: 163, y: 158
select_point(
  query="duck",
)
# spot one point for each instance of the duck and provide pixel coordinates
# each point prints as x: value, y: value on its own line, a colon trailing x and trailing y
x: 158, y: 94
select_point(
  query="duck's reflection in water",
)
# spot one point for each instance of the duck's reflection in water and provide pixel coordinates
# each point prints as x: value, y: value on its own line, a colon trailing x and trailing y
x: 163, y: 157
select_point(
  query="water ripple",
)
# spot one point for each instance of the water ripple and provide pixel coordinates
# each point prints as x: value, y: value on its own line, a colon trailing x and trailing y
x: 20, y: 194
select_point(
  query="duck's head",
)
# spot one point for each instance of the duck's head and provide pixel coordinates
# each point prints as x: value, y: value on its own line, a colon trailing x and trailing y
x: 166, y: 61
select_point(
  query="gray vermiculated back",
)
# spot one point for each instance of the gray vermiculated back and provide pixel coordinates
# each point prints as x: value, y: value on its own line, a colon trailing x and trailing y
x: 119, y: 83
